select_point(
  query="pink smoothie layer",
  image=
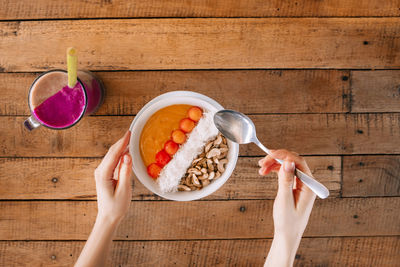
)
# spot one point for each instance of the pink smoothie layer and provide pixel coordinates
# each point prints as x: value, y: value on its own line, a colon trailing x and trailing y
x: 63, y: 108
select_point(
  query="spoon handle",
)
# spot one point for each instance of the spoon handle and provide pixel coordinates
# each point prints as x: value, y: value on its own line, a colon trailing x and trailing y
x: 318, y: 188
x: 266, y: 150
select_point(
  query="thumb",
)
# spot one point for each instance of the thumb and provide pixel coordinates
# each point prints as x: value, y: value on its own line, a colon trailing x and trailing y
x: 286, y: 180
x: 125, y: 175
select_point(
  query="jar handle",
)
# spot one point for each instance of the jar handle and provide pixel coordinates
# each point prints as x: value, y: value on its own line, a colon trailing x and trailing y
x: 31, y: 123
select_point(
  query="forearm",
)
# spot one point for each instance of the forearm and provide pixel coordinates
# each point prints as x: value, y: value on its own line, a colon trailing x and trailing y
x: 98, y: 245
x: 282, y: 252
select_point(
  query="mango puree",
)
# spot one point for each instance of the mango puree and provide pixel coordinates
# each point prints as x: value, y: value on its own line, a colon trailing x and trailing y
x: 157, y: 130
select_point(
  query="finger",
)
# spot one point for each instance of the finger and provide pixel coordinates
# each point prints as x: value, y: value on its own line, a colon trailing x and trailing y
x: 266, y: 164
x: 267, y: 161
x: 118, y: 167
x: 261, y: 161
x: 304, y: 191
x: 300, y: 162
x: 274, y: 167
x: 306, y: 196
x: 298, y: 185
x: 282, y: 154
x: 111, y: 159
x: 286, y: 180
x: 125, y: 177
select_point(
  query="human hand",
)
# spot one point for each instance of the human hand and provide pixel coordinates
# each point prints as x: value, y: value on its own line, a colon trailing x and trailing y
x: 294, y: 200
x: 114, y: 193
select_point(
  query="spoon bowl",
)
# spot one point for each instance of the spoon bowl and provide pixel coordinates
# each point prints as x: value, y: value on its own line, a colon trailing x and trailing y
x: 240, y: 129
x: 235, y: 126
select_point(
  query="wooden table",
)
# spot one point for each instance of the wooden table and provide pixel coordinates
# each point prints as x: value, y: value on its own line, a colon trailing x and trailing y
x: 318, y: 77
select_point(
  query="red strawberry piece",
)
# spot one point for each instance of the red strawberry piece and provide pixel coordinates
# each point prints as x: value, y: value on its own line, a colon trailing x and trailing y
x: 186, y: 125
x: 178, y: 136
x: 171, y: 147
x: 195, y: 113
x: 154, y: 170
x: 162, y: 158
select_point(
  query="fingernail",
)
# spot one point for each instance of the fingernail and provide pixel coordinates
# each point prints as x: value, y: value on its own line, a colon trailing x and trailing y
x: 288, y: 166
x: 126, y: 159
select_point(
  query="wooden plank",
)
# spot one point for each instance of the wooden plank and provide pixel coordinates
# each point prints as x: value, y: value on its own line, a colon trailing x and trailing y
x: 369, y: 251
x: 345, y: 43
x: 308, y: 134
x: 42, y: 9
x: 371, y: 176
x: 320, y: 91
x: 167, y: 220
x: 72, y: 178
x: 375, y: 91
x: 329, y: 133
x: 343, y: 251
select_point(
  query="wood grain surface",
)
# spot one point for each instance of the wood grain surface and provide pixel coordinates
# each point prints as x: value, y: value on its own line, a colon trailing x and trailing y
x: 311, y: 91
x: 42, y: 9
x: 375, y: 91
x: 326, y: 134
x: 347, y: 251
x: 317, y: 77
x: 72, y: 178
x: 169, y: 220
x: 371, y: 176
x: 361, y: 43
x: 255, y: 91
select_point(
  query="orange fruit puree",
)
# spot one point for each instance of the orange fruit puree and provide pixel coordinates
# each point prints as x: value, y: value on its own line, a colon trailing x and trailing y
x: 157, y: 130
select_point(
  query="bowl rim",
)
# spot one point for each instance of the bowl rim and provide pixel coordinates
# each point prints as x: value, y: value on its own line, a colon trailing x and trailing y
x: 137, y: 124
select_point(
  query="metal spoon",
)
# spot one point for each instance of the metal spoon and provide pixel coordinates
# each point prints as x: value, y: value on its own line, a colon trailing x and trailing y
x: 239, y: 128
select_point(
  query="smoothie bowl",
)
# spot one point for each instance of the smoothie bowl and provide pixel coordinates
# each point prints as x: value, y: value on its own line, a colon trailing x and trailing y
x: 177, y: 151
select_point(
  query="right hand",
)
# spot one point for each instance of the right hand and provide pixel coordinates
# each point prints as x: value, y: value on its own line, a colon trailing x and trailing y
x: 294, y: 200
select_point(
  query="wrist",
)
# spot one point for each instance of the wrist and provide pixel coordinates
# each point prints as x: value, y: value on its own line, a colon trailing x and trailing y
x: 286, y: 247
x: 287, y: 238
x: 107, y: 222
x: 280, y: 254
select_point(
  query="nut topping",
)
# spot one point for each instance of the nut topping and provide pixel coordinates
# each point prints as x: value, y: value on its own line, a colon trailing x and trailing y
x: 207, y: 166
x: 218, y: 140
x: 208, y: 147
x: 182, y: 187
x: 213, y: 153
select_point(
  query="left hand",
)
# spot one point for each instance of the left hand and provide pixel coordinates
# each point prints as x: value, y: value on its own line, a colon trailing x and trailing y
x: 114, y: 193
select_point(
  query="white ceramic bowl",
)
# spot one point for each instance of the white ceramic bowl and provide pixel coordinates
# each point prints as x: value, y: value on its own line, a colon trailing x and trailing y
x: 164, y: 100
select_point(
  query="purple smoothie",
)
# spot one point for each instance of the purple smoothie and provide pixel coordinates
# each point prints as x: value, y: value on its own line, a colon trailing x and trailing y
x: 57, y: 106
x: 53, y: 103
x: 62, y: 109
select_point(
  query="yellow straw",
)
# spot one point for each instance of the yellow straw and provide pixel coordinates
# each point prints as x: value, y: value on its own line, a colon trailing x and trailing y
x: 72, y: 65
